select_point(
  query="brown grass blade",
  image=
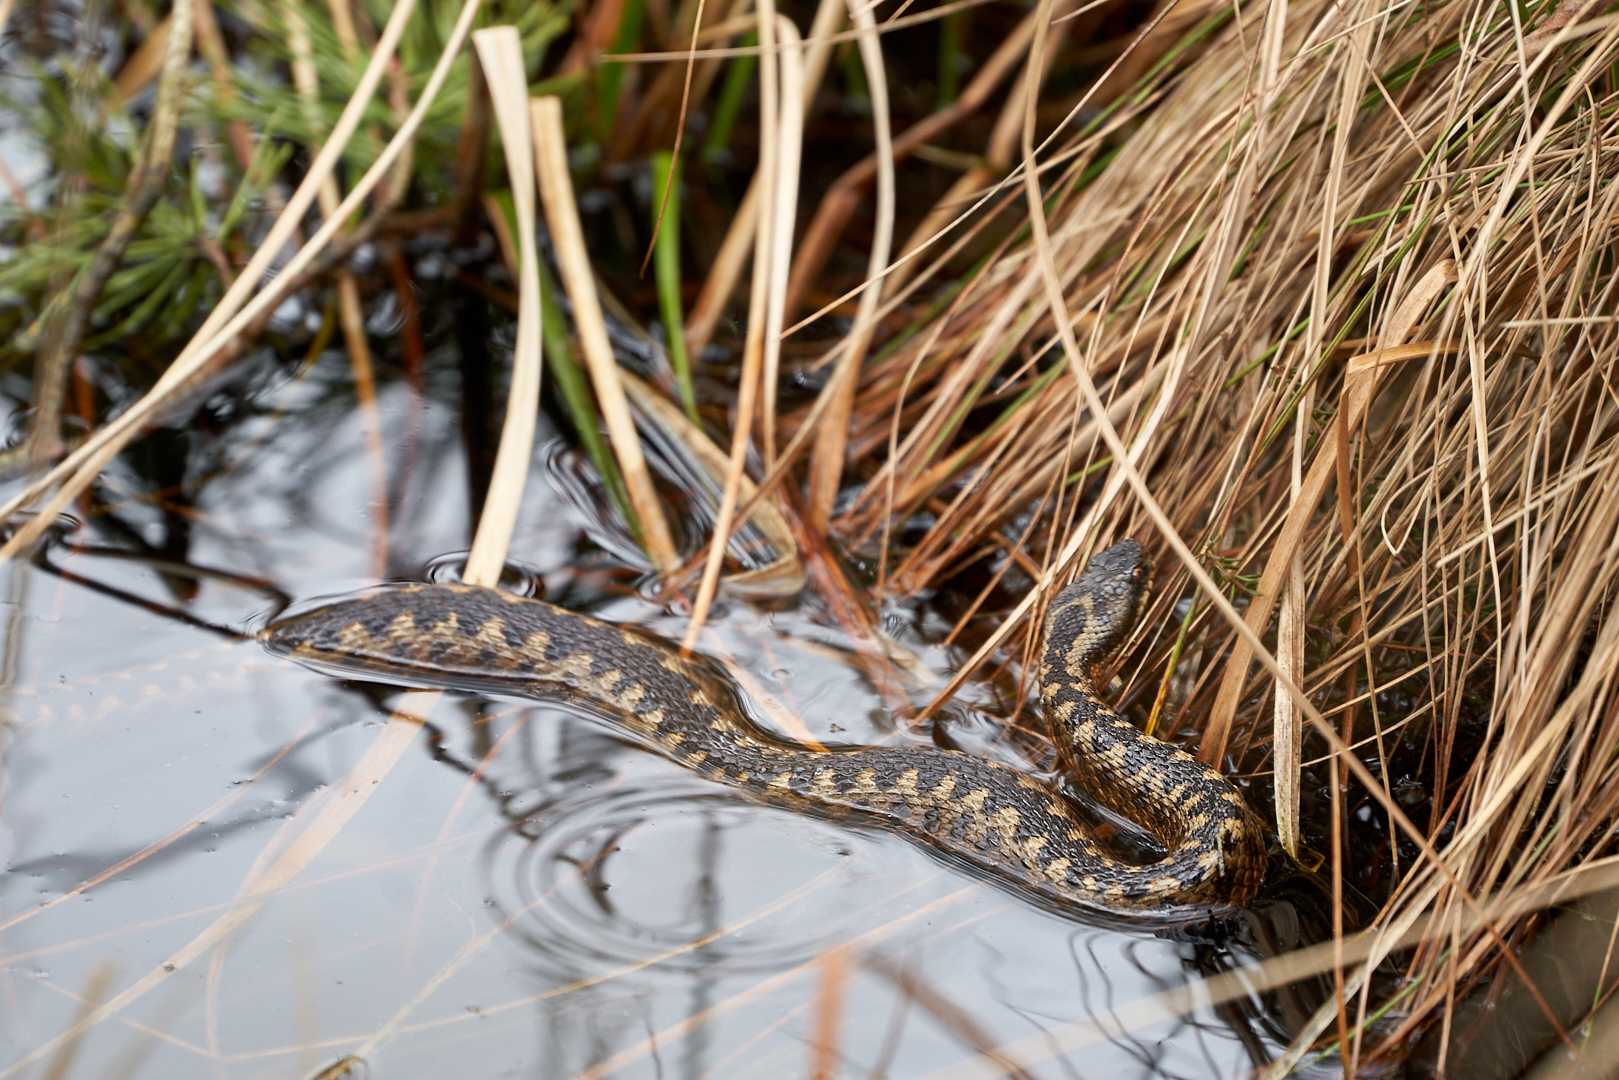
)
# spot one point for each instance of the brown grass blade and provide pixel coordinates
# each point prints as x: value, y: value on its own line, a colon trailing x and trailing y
x: 826, y: 460
x: 562, y: 215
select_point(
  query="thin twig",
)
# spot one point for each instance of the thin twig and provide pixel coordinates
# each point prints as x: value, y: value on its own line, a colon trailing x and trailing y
x: 147, y: 180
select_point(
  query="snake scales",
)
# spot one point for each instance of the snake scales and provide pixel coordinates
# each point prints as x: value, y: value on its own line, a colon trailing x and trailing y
x: 1018, y: 829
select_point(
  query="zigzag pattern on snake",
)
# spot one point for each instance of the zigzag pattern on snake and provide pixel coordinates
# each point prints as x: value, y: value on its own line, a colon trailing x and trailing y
x: 1012, y: 826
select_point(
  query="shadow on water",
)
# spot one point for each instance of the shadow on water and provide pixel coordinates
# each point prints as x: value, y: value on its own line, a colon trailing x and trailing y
x: 528, y: 895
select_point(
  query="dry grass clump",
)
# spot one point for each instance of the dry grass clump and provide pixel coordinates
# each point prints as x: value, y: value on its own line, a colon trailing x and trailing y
x: 1349, y: 288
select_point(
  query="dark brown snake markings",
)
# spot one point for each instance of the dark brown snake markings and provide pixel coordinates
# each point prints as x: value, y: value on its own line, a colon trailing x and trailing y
x: 1016, y: 828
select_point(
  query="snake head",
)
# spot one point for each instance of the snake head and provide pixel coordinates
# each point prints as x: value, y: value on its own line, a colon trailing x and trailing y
x: 1091, y: 618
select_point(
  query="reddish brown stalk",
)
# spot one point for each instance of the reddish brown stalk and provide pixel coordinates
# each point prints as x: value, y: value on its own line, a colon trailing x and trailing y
x: 841, y: 199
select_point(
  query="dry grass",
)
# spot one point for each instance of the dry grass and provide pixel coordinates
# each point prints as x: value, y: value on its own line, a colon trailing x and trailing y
x: 1348, y: 286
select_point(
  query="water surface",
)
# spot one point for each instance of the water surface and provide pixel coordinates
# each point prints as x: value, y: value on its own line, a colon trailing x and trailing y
x: 523, y: 894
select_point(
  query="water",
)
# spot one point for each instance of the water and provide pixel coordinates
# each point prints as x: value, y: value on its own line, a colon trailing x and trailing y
x: 523, y: 894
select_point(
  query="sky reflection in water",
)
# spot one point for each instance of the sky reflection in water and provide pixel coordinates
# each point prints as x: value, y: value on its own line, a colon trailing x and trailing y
x: 524, y: 895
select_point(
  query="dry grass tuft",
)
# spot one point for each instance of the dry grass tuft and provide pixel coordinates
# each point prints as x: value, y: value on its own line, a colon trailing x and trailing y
x: 1348, y: 281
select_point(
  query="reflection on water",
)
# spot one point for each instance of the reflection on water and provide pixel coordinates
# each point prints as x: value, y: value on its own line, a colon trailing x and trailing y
x: 524, y: 894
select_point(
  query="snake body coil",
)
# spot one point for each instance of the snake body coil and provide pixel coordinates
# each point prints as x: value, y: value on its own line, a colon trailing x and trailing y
x: 1018, y: 829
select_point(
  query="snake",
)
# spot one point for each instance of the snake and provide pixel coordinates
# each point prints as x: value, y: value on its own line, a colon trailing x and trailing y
x: 1016, y: 828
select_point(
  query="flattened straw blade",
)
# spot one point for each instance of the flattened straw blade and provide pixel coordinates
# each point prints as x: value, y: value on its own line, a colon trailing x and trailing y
x: 579, y: 282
